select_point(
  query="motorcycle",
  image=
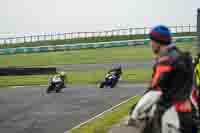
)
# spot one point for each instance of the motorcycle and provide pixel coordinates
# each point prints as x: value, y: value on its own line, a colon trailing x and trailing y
x: 145, y: 117
x: 110, y: 80
x: 55, y: 85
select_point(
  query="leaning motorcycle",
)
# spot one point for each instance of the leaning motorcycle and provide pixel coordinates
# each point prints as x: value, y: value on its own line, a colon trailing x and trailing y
x: 110, y: 81
x: 55, y: 85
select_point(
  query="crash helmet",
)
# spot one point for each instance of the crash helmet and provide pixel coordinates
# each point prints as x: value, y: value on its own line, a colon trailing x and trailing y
x: 117, y: 68
x: 161, y: 34
x: 62, y: 74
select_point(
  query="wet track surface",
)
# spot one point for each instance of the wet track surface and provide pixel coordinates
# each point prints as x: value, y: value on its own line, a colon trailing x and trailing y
x: 30, y: 110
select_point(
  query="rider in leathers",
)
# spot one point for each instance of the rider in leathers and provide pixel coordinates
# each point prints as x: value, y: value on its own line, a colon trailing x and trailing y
x: 117, y: 70
x: 173, y: 77
x: 196, y: 62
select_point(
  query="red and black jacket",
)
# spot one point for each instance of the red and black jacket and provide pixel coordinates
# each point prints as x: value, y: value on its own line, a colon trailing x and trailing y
x: 172, y: 76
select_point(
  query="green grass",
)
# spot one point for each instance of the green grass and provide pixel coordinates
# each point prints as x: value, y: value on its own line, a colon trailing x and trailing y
x: 86, y: 40
x: 77, y: 77
x: 102, y: 124
x: 88, y: 56
x: 109, y: 55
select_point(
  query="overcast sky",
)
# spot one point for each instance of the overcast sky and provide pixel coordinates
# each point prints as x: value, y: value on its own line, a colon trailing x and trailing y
x: 19, y: 16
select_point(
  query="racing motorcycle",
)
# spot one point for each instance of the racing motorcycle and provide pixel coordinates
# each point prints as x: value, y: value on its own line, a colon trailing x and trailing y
x: 145, y: 117
x: 55, y: 84
x: 110, y: 80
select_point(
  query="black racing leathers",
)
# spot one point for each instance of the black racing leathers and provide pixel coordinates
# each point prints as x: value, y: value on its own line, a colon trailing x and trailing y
x: 173, y: 74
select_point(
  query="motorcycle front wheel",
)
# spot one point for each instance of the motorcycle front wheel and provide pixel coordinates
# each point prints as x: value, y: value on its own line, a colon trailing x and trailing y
x: 102, y: 84
x: 49, y: 89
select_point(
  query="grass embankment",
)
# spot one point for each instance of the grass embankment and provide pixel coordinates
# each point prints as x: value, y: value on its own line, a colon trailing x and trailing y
x: 77, y: 77
x: 102, y: 124
x: 87, y: 56
x: 86, y: 40
x: 109, y: 55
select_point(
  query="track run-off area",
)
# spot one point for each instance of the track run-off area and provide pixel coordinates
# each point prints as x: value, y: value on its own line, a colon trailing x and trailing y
x: 30, y: 110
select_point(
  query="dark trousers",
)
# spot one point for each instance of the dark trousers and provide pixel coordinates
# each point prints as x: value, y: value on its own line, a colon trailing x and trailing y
x: 187, y: 123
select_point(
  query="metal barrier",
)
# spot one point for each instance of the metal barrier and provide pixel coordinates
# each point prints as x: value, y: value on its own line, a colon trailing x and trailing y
x: 85, y: 35
x: 87, y: 45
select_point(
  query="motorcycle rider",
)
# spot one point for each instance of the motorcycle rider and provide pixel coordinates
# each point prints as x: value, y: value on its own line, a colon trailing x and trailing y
x: 173, y: 76
x: 112, y: 76
x: 196, y: 63
x: 62, y: 76
x: 196, y: 59
x: 116, y: 71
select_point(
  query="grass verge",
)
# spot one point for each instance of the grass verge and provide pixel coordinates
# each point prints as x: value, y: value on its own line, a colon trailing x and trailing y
x: 87, y: 56
x: 104, y: 123
x: 77, y: 77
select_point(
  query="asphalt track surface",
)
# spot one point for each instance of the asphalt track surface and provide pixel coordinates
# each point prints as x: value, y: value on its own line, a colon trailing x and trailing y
x: 30, y: 110
x: 124, y: 65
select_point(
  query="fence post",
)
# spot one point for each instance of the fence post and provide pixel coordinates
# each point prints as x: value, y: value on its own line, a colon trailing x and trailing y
x: 31, y: 38
x: 85, y: 35
x: 51, y: 36
x: 182, y: 28
x: 4, y: 41
x: 71, y: 36
x: 58, y: 35
x: 44, y: 37
x: 65, y: 36
x: 93, y: 35
x: 189, y: 28
x: 10, y: 40
x: 130, y: 31
x: 24, y: 39
x: 38, y: 38
x: 176, y: 29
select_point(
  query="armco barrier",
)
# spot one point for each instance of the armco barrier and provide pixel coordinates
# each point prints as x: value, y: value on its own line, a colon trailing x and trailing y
x: 87, y: 45
x: 26, y: 71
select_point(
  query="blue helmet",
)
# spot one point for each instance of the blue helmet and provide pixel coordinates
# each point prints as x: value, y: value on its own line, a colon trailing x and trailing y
x: 161, y: 34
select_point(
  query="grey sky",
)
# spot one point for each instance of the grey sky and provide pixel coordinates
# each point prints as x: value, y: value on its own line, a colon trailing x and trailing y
x: 93, y: 15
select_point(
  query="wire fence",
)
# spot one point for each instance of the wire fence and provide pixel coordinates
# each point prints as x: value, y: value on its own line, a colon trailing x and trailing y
x: 108, y: 33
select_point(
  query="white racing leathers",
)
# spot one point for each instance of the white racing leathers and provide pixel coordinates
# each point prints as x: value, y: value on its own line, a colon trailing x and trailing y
x: 145, y: 104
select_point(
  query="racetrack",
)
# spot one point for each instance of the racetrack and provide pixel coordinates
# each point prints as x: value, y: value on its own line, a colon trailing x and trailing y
x: 30, y: 110
x: 124, y: 65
